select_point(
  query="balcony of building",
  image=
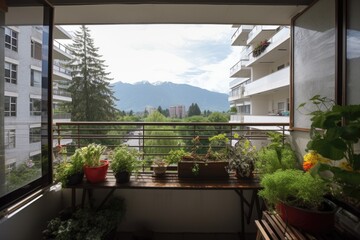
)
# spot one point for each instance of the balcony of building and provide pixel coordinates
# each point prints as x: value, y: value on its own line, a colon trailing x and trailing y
x: 62, y: 95
x: 278, y: 47
x: 260, y: 33
x: 240, y: 36
x: 61, y: 52
x: 271, y: 82
x: 61, y: 117
x: 60, y: 72
x: 240, y: 70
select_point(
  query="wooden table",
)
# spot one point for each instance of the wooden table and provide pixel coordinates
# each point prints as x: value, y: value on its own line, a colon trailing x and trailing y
x: 171, y: 181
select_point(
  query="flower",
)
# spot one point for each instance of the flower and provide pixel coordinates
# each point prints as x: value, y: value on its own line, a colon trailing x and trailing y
x: 312, y: 158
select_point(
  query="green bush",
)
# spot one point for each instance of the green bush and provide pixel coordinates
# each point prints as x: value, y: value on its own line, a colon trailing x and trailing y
x: 125, y: 159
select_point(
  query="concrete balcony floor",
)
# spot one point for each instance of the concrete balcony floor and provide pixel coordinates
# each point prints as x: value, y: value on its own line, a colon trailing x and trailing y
x: 182, y: 236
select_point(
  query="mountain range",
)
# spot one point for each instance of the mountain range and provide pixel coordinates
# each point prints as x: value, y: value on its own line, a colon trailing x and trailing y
x: 137, y: 96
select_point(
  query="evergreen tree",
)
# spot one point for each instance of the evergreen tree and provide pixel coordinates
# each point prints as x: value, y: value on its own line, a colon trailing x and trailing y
x: 194, y: 110
x: 92, y: 96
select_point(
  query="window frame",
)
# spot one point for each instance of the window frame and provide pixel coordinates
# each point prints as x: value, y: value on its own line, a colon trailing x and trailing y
x: 10, y: 134
x: 11, y: 103
x: 34, y: 109
x: 13, y: 37
x: 33, y: 81
x: 36, y: 50
x: 12, y: 70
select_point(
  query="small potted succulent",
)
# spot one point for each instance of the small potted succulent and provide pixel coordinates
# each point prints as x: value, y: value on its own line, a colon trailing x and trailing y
x: 242, y: 156
x: 124, y: 161
x: 94, y: 168
x: 159, y: 166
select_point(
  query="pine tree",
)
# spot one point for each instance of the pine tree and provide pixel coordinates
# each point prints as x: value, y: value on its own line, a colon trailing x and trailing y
x: 194, y: 110
x: 92, y: 96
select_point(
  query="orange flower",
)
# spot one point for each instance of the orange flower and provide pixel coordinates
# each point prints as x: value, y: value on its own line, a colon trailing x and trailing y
x: 307, y: 165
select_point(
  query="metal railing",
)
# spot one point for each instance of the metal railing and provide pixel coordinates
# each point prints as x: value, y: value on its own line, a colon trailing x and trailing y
x: 158, y: 139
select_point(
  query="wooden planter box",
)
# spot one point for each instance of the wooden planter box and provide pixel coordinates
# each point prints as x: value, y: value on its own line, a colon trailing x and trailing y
x: 209, y: 170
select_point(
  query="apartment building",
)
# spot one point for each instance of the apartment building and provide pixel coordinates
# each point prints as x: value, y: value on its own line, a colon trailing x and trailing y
x: 24, y: 93
x: 177, y: 111
x: 260, y: 84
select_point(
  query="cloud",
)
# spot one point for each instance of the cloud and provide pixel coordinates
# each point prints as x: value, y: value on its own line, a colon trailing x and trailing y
x: 199, y: 55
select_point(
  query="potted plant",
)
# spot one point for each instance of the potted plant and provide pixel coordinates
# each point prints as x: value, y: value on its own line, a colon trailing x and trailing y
x: 124, y: 162
x: 95, y: 169
x: 242, y: 157
x: 159, y: 166
x: 335, y: 131
x: 276, y: 155
x: 299, y: 199
x: 211, y: 165
x: 70, y: 172
x: 87, y: 223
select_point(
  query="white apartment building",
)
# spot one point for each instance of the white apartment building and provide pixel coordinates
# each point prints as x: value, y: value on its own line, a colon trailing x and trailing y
x: 261, y: 78
x: 23, y: 91
x: 177, y: 111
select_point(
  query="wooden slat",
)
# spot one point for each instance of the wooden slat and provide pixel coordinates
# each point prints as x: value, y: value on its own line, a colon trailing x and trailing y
x: 271, y: 232
x: 171, y: 181
x: 261, y: 231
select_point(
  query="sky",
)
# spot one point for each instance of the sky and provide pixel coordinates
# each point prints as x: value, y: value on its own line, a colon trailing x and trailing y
x: 198, y: 55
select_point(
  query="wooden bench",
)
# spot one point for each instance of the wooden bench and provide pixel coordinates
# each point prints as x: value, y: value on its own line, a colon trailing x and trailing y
x: 147, y: 180
x: 272, y: 227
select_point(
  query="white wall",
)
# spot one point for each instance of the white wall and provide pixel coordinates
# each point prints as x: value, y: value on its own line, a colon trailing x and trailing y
x: 28, y: 223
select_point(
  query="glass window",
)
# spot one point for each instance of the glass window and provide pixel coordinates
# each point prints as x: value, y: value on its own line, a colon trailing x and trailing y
x: 10, y: 73
x: 11, y: 39
x: 35, y: 50
x: 35, y: 107
x: 10, y: 106
x: 10, y: 139
x: 35, y: 135
x: 35, y: 79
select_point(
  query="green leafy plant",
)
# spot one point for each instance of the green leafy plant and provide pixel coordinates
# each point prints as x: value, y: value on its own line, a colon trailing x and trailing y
x: 293, y: 187
x: 125, y: 159
x: 176, y: 156
x: 92, y: 154
x: 276, y: 155
x: 335, y: 130
x: 68, y: 168
x: 87, y: 223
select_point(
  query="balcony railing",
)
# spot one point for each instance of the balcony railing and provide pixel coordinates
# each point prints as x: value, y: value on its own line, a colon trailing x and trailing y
x: 62, y: 115
x: 62, y: 47
x: 157, y: 139
x: 60, y: 92
x: 61, y: 69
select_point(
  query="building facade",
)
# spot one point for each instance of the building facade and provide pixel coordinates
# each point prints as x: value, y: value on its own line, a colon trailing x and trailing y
x: 261, y: 78
x: 23, y: 91
x: 177, y: 111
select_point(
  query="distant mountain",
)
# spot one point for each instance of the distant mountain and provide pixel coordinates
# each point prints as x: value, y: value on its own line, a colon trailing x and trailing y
x: 139, y: 95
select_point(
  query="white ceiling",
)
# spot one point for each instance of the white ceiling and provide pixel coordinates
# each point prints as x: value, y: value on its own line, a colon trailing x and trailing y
x: 176, y: 13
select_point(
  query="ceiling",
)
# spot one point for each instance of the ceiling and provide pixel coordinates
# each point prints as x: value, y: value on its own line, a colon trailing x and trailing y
x: 277, y: 12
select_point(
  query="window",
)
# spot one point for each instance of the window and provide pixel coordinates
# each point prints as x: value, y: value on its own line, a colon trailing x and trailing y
x: 10, y: 73
x: 35, y: 135
x: 35, y: 107
x: 245, y: 109
x: 35, y: 50
x: 10, y: 167
x: 10, y: 140
x: 11, y: 39
x: 35, y: 79
x: 10, y: 106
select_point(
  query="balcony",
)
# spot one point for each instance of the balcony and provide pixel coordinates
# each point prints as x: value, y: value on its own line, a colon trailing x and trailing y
x: 240, y: 70
x: 268, y: 83
x: 240, y: 36
x: 241, y: 118
x: 278, y: 48
x: 60, y: 72
x: 61, y: 52
x: 260, y: 33
x: 61, y: 95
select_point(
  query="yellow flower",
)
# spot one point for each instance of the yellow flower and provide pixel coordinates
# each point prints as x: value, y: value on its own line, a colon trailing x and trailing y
x: 311, y: 158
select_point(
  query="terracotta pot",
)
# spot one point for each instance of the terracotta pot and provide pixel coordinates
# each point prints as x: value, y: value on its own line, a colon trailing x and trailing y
x: 309, y: 220
x: 96, y: 174
x: 122, y: 177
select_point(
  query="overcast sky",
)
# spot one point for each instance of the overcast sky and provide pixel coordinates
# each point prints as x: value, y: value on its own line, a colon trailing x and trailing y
x: 199, y: 55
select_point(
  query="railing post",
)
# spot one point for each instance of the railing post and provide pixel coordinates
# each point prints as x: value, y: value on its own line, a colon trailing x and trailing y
x: 58, y: 138
x: 143, y: 146
x: 78, y: 135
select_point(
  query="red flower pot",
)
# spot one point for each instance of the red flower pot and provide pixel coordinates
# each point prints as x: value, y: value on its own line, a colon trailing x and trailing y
x: 96, y: 174
x: 309, y: 220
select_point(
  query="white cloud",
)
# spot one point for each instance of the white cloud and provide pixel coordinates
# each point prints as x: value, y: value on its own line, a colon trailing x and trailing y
x: 198, y: 55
